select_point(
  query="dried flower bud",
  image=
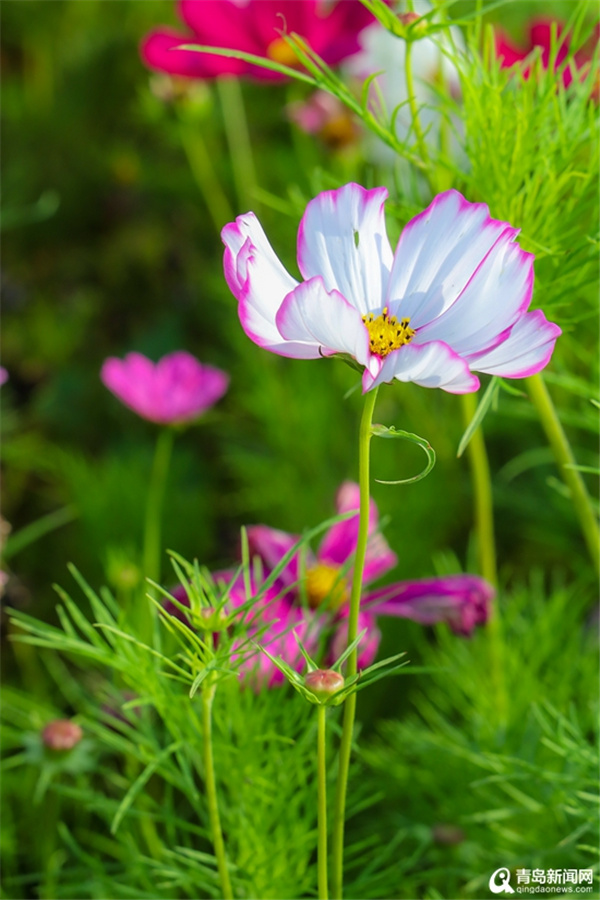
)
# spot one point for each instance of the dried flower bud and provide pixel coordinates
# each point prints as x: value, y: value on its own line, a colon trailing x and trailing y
x: 447, y: 834
x: 324, y: 682
x: 61, y: 734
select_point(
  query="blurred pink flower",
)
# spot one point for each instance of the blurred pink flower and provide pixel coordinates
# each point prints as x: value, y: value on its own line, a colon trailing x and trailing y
x: 327, y: 117
x: 323, y: 580
x: 3, y: 375
x: 539, y: 35
x: 462, y: 601
x: 256, y: 27
x: 176, y: 389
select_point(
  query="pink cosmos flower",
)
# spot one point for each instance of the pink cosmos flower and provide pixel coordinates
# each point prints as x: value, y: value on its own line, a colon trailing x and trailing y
x: 462, y: 601
x: 540, y: 35
x: 451, y: 300
x: 256, y: 27
x: 310, y: 598
x: 176, y: 389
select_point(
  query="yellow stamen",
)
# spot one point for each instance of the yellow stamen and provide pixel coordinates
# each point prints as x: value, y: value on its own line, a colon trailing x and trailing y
x: 280, y: 52
x: 326, y: 583
x: 386, y: 333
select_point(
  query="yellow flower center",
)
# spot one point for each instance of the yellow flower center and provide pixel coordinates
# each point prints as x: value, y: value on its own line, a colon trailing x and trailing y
x: 280, y: 52
x: 386, y: 333
x: 326, y: 583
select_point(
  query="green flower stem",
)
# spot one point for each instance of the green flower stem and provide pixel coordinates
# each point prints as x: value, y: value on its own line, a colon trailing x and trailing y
x: 414, y: 113
x: 482, y: 492
x: 565, y: 459
x: 204, y: 174
x: 208, y: 695
x: 322, y: 778
x: 364, y: 442
x: 238, y: 141
x: 486, y: 549
x: 152, y: 525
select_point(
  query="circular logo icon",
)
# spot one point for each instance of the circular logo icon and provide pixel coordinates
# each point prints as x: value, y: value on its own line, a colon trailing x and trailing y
x: 500, y: 881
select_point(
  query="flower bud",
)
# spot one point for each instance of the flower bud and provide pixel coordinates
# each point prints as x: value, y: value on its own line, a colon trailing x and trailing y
x: 212, y: 619
x: 61, y: 734
x: 324, y: 682
x: 406, y: 21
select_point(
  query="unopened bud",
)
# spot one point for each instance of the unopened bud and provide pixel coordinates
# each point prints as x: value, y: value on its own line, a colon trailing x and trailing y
x: 408, y: 18
x: 410, y: 24
x: 61, y: 734
x: 324, y: 682
x: 212, y: 619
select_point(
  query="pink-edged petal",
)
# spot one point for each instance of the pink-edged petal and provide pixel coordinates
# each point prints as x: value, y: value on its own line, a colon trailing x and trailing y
x: 271, y: 545
x: 323, y: 319
x: 339, y: 543
x: 342, y: 238
x: 258, y: 280
x: 498, y: 292
x: 433, y: 365
x: 526, y: 350
x: 437, y: 254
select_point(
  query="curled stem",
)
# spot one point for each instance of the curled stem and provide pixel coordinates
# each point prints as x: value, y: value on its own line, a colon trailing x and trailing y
x: 322, y: 801
x: 565, y: 459
x: 364, y: 442
x: 208, y: 695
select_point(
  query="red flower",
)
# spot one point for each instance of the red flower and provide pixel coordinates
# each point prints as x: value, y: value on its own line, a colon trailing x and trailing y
x: 254, y: 26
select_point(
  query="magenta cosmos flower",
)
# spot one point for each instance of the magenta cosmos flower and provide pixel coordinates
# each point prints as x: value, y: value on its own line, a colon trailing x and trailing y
x: 540, y: 36
x: 176, y: 389
x: 324, y: 580
x: 310, y: 598
x: 256, y: 27
x: 451, y: 300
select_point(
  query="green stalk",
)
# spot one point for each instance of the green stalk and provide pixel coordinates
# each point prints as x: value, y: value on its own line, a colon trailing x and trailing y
x: 486, y: 548
x: 322, y: 778
x: 152, y: 525
x: 208, y: 695
x: 566, y: 461
x: 364, y: 442
x: 238, y: 141
x: 482, y: 492
x: 414, y: 113
x: 205, y: 175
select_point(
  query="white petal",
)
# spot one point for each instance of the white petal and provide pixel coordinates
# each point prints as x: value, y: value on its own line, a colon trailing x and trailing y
x: 526, y: 350
x: 497, y: 294
x: 437, y: 254
x: 258, y: 280
x: 342, y: 237
x: 324, y: 319
x: 432, y: 365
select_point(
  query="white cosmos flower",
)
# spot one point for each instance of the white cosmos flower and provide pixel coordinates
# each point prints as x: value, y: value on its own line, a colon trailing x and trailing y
x: 451, y: 300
